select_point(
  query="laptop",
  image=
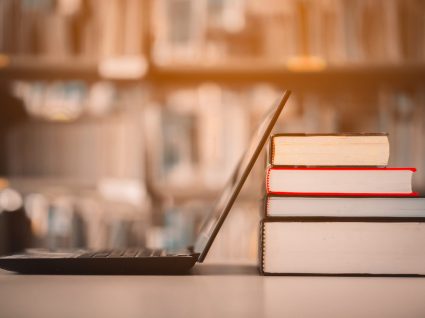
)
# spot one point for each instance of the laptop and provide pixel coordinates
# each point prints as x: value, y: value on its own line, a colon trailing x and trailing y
x: 147, y: 261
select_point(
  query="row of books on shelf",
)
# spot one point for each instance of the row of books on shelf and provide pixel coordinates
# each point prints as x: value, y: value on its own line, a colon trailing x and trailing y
x: 212, y: 123
x: 68, y: 100
x: 334, y: 31
x: 334, y: 207
x: 184, y: 122
x: 56, y: 214
x: 211, y: 144
x: 86, y: 151
x: 62, y: 29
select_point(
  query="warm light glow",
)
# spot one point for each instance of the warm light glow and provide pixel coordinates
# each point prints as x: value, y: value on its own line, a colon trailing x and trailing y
x: 4, y: 60
x: 4, y: 183
x: 61, y: 117
x: 126, y: 67
x: 10, y: 200
x: 306, y: 64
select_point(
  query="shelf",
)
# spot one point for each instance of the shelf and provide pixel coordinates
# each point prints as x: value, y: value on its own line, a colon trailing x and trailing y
x: 35, y: 68
x: 234, y: 73
x: 47, y: 69
x: 337, y: 76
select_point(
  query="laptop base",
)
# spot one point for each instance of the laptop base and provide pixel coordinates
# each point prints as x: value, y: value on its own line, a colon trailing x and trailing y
x: 150, y: 265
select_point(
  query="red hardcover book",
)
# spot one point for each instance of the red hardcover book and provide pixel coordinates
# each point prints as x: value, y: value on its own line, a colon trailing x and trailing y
x: 340, y: 181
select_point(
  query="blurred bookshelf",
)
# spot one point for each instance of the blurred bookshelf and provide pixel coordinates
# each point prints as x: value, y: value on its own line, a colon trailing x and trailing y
x: 159, y: 98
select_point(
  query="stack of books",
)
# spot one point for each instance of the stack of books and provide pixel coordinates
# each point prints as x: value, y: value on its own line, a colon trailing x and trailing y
x: 334, y: 208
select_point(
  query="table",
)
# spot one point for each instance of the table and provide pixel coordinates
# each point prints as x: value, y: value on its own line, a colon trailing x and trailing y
x: 210, y: 291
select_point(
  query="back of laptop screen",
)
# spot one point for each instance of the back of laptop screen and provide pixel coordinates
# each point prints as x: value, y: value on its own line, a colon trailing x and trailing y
x: 218, y: 213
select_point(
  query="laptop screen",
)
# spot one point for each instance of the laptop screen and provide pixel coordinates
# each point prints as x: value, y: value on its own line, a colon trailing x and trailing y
x: 214, y: 220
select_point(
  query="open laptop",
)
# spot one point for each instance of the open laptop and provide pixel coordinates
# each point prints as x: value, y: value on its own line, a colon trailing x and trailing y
x: 143, y: 260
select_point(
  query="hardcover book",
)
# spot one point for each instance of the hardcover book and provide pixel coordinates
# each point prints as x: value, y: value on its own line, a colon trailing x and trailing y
x: 329, y: 149
x: 354, y: 246
x: 340, y: 181
x: 316, y: 206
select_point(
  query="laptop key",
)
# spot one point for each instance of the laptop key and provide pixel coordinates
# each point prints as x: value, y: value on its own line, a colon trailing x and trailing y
x: 144, y: 252
x: 116, y: 253
x: 156, y: 253
x: 130, y: 253
x: 127, y: 253
x: 86, y: 255
x: 101, y: 254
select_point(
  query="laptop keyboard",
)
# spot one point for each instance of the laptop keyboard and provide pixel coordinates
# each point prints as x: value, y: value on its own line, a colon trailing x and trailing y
x: 112, y: 253
x: 130, y: 252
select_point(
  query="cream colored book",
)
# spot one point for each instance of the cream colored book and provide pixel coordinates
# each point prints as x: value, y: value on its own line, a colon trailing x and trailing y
x: 329, y: 150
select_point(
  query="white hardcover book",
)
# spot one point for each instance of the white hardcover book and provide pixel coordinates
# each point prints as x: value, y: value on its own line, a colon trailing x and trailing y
x: 359, y: 247
x: 286, y: 206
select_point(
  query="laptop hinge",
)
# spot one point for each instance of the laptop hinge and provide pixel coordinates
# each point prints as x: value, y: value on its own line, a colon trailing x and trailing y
x: 191, y: 250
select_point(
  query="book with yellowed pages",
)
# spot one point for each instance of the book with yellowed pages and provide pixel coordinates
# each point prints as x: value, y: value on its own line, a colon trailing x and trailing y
x: 329, y: 150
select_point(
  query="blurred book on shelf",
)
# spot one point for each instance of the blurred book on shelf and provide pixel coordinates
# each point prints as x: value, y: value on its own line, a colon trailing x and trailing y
x: 197, y: 136
x: 402, y: 113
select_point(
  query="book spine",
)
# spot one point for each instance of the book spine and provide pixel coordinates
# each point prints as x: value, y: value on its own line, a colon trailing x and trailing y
x: 272, y: 150
x: 266, y: 205
x: 268, y: 171
x: 261, y: 247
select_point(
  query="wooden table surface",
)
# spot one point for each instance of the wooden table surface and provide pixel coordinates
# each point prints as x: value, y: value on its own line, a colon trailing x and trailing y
x: 211, y: 291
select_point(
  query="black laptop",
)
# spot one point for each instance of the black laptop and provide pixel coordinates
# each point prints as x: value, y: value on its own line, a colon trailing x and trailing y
x: 143, y: 260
